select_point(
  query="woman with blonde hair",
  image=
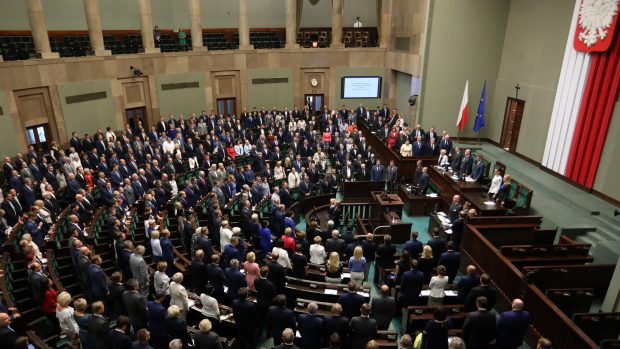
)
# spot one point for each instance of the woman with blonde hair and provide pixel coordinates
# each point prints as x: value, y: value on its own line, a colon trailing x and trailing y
x: 426, y: 262
x: 317, y: 251
x: 156, y: 247
x: 178, y: 295
x: 278, y: 171
x: 293, y: 179
x: 68, y: 326
x: 333, y: 270
x: 161, y: 281
x: 443, y: 158
x: 357, y: 264
x: 225, y: 234
x: 81, y: 318
x: 206, y: 338
x: 251, y: 270
x: 26, y: 240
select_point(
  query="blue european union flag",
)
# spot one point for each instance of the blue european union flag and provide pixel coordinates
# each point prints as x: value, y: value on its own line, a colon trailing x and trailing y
x: 481, y: 108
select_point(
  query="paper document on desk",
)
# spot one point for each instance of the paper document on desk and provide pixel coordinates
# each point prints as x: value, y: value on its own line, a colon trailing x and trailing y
x: 345, y: 276
x: 469, y: 180
x: 425, y: 293
x: 191, y: 303
x: 451, y: 293
x: 489, y: 203
x: 365, y: 294
x: 330, y: 291
x: 432, y: 195
x: 449, y: 231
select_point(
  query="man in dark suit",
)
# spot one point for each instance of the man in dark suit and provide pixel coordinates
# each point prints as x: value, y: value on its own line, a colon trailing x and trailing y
x: 118, y: 338
x: 382, y: 308
x: 336, y: 323
x: 485, y: 289
x: 414, y: 246
x: 419, y: 147
x: 511, y: 326
x: 198, y: 272
x: 363, y: 328
x: 466, y: 164
x: 98, y: 326
x: 457, y: 230
x: 8, y: 336
x: 265, y: 291
x: 377, y: 172
x: 277, y: 273
x: 246, y: 320
x: 11, y: 211
x: 391, y: 176
x: 335, y: 244
x: 351, y: 301
x: 437, y: 244
x: 455, y: 208
x: 234, y: 279
x: 423, y: 182
x: 450, y: 259
x: 157, y: 320
x: 135, y: 305
x: 457, y: 158
x: 38, y: 283
x: 98, y: 280
x: 479, y: 327
x: 479, y: 168
x: 278, y: 318
x: 446, y: 143
x: 411, y: 285
x: 311, y: 328
x: 385, y: 257
x: 216, y: 277
x: 466, y: 283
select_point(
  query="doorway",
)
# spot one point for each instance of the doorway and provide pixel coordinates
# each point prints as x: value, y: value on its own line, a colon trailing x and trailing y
x: 227, y: 106
x: 512, y: 123
x: 315, y: 102
x: 38, y: 136
x: 136, y: 118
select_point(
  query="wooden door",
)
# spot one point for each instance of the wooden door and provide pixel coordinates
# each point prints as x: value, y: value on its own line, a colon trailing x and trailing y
x: 512, y: 123
x: 136, y: 118
x: 315, y: 102
x: 38, y: 136
x: 227, y: 106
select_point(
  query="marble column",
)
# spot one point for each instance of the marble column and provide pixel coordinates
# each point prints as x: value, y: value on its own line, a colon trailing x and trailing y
x: 244, y: 26
x: 195, y: 20
x: 291, y: 24
x: 39, y: 29
x: 146, y: 26
x: 337, y: 6
x: 386, y: 23
x: 93, y: 20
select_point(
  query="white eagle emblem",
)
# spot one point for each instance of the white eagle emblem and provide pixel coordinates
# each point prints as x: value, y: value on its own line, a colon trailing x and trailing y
x: 595, y: 18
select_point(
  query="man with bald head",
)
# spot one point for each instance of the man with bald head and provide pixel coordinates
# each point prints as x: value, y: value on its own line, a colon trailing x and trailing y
x: 382, y: 308
x: 8, y: 336
x: 511, y: 326
x: 336, y: 323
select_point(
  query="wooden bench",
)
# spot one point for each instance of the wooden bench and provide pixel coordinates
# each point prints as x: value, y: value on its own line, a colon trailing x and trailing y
x: 599, y: 326
x: 595, y: 276
x: 415, y: 318
x: 536, y: 255
x: 319, y: 291
x: 571, y: 300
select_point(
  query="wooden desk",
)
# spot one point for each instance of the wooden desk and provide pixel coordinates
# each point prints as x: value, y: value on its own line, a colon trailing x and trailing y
x: 478, y: 202
x: 315, y: 290
x: 449, y: 187
x: 360, y: 191
x: 386, y: 202
x: 417, y: 205
x: 415, y: 318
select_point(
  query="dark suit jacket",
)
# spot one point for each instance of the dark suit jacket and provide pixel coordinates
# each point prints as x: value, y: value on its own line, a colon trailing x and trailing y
x: 208, y: 340
x: 136, y: 308
x: 235, y: 280
x: 511, y: 327
x: 177, y: 328
x: 277, y: 319
x: 411, y: 285
x: 335, y: 245
x: 277, y: 275
x: 438, y: 245
x: 265, y: 291
x: 382, y: 310
x: 465, y: 284
x: 311, y: 330
x: 7, y: 338
x: 98, y: 328
x: 450, y: 260
x: 363, y: 329
x: 157, y: 320
x: 478, y: 291
x: 118, y: 340
x: 246, y: 316
x: 351, y: 303
x: 198, y: 272
x: 479, y: 328
x: 338, y: 324
x: 466, y: 164
x: 216, y: 277
x: 385, y: 255
x: 98, y: 283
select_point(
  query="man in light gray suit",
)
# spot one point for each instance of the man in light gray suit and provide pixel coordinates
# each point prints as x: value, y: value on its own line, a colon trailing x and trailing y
x: 140, y: 271
x: 392, y: 174
x: 382, y: 308
x: 129, y: 193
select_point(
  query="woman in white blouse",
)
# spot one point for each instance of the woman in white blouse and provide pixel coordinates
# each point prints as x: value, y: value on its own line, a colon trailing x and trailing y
x: 443, y: 158
x: 317, y: 251
x: 156, y: 246
x: 437, y: 286
x: 68, y: 326
x: 283, y: 258
x: 293, y: 179
x: 161, y: 281
x: 406, y: 149
x: 178, y: 295
x: 278, y: 171
x: 496, y: 182
x: 210, y: 307
x: 225, y: 235
x: 247, y: 148
x: 238, y: 148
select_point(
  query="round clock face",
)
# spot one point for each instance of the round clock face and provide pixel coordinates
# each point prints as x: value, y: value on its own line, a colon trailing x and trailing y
x: 314, y: 82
